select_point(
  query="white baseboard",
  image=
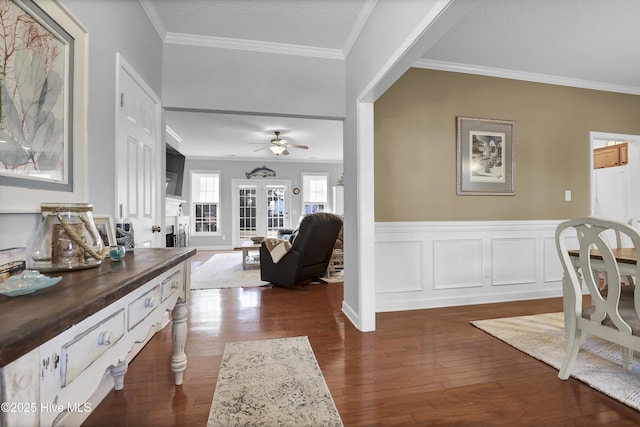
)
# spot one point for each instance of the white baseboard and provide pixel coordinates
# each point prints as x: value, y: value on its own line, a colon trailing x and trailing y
x: 351, y: 314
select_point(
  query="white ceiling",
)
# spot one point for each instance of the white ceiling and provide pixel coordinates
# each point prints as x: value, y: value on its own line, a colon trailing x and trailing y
x: 325, y: 24
x: 324, y: 28
x: 583, y: 43
x: 237, y: 136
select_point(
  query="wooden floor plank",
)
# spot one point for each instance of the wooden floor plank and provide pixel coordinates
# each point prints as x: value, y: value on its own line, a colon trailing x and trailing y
x: 420, y: 367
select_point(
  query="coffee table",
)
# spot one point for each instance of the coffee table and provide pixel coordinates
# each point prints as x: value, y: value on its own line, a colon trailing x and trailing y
x: 245, y: 248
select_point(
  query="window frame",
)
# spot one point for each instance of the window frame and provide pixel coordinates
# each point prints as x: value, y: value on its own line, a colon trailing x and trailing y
x: 192, y: 203
x: 303, y: 200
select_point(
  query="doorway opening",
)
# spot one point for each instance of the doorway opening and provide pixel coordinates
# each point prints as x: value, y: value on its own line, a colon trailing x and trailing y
x: 260, y: 208
x: 612, y: 195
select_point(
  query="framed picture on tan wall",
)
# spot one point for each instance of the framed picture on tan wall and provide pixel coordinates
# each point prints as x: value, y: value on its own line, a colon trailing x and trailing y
x: 485, y: 157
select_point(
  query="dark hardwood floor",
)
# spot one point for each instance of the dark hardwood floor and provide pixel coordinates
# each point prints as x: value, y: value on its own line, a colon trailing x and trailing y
x: 421, y: 367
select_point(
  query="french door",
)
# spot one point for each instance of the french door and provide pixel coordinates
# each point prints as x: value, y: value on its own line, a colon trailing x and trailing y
x: 260, y: 208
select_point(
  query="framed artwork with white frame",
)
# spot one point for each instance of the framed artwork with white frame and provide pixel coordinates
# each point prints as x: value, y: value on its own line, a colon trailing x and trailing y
x: 106, y: 229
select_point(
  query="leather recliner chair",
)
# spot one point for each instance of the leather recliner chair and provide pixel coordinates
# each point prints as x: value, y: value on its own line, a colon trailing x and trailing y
x: 310, y: 253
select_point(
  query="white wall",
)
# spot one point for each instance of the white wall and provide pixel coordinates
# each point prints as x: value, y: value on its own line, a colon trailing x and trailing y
x: 237, y: 80
x: 381, y: 54
x: 113, y: 27
x: 120, y: 26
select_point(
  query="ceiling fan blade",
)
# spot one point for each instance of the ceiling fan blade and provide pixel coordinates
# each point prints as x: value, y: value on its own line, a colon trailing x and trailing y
x: 304, y: 147
x: 262, y: 148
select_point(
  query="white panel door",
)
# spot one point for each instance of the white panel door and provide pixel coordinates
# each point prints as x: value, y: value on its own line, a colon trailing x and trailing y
x: 138, y: 169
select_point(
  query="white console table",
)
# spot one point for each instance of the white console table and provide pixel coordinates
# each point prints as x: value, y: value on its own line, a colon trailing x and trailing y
x: 63, y: 348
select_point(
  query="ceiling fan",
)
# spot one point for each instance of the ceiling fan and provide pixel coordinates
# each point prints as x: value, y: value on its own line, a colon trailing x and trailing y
x: 280, y: 146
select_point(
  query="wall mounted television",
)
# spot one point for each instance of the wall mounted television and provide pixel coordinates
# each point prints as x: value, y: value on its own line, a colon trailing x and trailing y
x: 175, y: 172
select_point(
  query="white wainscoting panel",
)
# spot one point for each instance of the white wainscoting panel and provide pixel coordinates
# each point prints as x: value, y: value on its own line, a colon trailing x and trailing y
x: 553, y: 267
x: 407, y: 273
x: 467, y: 274
x: 513, y: 260
x: 449, y: 263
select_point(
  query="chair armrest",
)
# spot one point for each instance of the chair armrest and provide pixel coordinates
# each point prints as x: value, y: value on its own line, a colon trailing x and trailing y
x: 285, y: 271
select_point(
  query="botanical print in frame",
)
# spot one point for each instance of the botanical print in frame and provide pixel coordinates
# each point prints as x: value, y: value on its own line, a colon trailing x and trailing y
x: 22, y: 193
x: 486, y: 154
x: 36, y: 63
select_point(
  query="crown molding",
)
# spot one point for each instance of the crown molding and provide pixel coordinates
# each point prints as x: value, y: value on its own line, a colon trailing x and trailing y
x: 249, y: 45
x: 526, y: 76
x: 254, y: 46
x: 173, y: 133
x: 153, y: 16
x: 277, y: 159
x: 357, y: 27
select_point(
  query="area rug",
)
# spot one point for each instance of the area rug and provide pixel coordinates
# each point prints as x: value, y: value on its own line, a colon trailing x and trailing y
x: 224, y: 270
x: 599, y: 362
x: 271, y: 383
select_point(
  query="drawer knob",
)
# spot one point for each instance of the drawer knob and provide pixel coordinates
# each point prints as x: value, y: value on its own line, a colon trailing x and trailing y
x: 148, y: 302
x: 104, y: 338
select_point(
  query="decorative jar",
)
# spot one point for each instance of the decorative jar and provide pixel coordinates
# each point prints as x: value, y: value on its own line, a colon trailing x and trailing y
x: 66, y: 239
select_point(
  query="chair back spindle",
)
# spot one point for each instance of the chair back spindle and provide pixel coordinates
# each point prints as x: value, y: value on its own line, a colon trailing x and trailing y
x: 613, y: 313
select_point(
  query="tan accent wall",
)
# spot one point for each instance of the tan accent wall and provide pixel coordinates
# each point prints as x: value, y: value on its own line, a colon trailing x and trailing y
x: 415, y: 145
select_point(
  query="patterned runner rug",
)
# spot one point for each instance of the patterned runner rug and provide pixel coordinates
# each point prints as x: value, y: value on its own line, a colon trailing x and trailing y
x: 599, y: 362
x: 269, y: 383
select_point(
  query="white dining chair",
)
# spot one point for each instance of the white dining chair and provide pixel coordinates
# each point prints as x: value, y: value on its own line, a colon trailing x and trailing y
x: 613, y: 312
x: 635, y: 222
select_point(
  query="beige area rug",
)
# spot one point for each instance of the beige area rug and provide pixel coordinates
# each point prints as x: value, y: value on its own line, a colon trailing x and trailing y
x: 599, y: 363
x: 224, y: 270
x: 271, y: 383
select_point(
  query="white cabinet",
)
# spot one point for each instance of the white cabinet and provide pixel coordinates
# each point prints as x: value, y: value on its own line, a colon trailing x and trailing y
x: 67, y: 375
x: 338, y: 199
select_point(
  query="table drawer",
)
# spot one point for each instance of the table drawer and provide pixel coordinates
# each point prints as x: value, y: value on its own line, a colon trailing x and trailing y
x: 171, y: 284
x: 141, y: 307
x: 84, y: 349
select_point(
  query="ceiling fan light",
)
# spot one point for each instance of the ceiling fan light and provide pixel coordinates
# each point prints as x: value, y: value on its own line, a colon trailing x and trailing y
x: 277, y: 149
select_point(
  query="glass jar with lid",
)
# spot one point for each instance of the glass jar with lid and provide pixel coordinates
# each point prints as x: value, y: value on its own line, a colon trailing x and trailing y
x: 66, y: 239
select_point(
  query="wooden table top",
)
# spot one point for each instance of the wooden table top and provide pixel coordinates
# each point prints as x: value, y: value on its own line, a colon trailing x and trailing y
x: 248, y: 245
x: 626, y: 255
x: 29, y: 321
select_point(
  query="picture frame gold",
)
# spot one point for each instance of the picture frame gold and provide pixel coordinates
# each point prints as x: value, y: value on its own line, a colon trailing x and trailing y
x: 485, y: 157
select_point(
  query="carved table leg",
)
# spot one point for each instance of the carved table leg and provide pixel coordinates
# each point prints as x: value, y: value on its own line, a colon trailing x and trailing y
x: 179, y: 334
x: 118, y: 372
